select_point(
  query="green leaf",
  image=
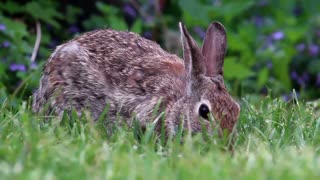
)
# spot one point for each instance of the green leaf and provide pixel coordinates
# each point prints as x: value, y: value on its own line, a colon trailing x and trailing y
x: 117, y: 23
x: 72, y: 13
x: 95, y: 22
x: 194, y: 12
x: 231, y: 10
x: 294, y: 33
x: 263, y: 77
x: 281, y: 70
x: 11, y: 7
x: 235, y: 70
x: 15, y: 30
x: 235, y: 43
x: 49, y: 15
x: 106, y: 9
x: 137, y: 26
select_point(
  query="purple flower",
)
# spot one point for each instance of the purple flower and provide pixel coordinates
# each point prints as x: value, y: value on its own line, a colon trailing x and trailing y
x: 300, y: 47
x: 18, y: 67
x: 278, y: 35
x: 286, y: 97
x: 313, y: 49
x: 269, y: 64
x: 3, y: 27
x: 49, y: 27
x: 147, y: 35
x: 263, y: 3
x: 129, y: 10
x: 6, y: 44
x: 301, y: 82
x: 305, y: 77
x: 74, y: 29
x: 294, y: 75
x: 33, y: 65
x: 53, y: 43
x: 297, y: 11
x: 258, y: 21
x: 269, y: 43
x: 201, y: 33
x: 148, y: 19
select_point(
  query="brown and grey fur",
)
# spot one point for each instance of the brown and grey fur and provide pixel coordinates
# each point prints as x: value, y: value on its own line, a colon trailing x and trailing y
x: 133, y: 74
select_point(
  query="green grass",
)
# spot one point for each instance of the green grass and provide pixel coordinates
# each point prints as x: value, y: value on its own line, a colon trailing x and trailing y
x: 276, y: 140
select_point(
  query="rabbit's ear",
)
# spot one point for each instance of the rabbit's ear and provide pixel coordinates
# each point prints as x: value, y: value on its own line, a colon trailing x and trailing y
x: 214, y: 49
x: 193, y: 58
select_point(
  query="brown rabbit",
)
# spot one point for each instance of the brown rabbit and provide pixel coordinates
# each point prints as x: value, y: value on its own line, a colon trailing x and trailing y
x: 133, y: 75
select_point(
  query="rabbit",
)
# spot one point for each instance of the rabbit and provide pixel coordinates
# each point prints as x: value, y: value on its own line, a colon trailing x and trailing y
x: 132, y: 76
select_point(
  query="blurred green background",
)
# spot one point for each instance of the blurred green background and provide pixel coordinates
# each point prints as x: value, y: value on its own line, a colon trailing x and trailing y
x: 273, y: 45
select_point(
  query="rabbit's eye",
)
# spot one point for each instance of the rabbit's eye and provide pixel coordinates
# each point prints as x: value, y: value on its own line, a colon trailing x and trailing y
x: 204, y: 111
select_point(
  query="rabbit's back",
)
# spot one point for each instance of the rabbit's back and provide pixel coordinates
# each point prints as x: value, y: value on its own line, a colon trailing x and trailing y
x: 118, y: 43
x: 126, y: 71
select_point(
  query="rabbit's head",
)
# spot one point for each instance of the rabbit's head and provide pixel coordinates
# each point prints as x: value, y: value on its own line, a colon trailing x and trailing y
x: 209, y: 101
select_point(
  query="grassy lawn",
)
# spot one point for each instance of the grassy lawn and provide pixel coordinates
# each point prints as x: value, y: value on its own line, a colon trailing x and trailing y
x: 276, y: 140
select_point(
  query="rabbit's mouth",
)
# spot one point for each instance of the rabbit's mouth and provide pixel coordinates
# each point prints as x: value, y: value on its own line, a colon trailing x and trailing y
x: 198, y: 125
x: 208, y: 130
